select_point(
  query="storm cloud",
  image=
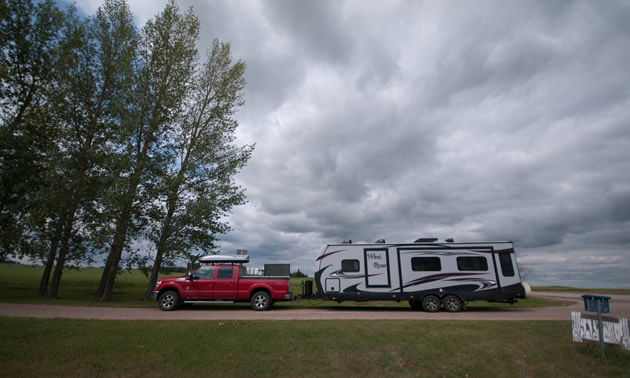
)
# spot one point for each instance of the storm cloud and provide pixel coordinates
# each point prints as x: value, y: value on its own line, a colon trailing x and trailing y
x: 488, y: 120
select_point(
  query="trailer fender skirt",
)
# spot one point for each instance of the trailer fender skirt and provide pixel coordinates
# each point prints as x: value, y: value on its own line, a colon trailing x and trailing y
x: 526, y: 289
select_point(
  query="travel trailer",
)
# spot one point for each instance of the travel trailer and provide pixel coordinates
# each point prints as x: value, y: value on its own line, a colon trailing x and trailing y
x: 427, y: 273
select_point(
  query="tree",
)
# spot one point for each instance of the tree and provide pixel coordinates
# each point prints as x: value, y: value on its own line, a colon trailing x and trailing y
x: 91, y: 101
x: 198, y: 188
x: 31, y: 39
x: 163, y: 72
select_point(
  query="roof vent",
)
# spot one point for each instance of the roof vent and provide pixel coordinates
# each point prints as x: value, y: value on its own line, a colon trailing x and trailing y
x: 347, y: 241
x: 449, y: 240
x: 380, y: 241
x: 425, y: 240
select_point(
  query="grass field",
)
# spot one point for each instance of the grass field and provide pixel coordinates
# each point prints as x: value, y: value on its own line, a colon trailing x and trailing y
x: 58, y: 347
x: 21, y: 283
x: 65, y: 347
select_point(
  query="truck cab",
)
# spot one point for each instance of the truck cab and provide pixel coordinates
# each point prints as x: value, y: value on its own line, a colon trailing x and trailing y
x: 221, y: 281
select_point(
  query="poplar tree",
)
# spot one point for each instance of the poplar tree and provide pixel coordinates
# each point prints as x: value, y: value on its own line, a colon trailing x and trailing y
x: 92, y: 98
x: 31, y: 41
x: 198, y: 189
x: 164, y: 70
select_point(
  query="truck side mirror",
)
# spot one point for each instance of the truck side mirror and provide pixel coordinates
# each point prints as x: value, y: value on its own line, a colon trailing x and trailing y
x: 189, y: 276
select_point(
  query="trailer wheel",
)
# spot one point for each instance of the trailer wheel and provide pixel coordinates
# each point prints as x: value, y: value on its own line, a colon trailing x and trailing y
x: 261, y: 301
x: 415, y: 304
x: 452, y: 303
x: 431, y: 303
x: 169, y: 300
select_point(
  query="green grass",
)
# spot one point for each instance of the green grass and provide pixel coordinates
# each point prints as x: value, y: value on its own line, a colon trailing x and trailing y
x: 58, y: 347
x: 20, y: 284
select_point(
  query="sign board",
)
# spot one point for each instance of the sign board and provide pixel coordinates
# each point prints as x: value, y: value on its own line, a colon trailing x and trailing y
x: 586, y: 328
x: 278, y: 270
x: 591, y: 301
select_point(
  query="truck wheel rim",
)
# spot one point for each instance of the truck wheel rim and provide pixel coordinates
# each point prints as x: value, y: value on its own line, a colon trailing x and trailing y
x: 260, y: 301
x: 167, y: 301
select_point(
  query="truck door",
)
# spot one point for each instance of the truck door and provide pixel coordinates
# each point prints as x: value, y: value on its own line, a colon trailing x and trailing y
x: 225, y: 283
x: 202, y: 284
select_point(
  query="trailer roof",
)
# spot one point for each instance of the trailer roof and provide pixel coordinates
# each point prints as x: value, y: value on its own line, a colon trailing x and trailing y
x: 439, y: 242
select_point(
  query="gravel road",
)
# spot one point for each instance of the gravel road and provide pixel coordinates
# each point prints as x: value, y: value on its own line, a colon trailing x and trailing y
x: 619, y: 304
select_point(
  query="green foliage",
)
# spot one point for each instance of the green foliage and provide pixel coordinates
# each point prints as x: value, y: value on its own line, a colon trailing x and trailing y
x: 31, y: 45
x: 60, y: 347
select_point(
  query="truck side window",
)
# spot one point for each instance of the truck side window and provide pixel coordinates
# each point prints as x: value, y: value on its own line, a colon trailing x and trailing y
x: 349, y: 266
x: 472, y: 263
x: 225, y: 272
x: 506, y: 264
x: 426, y: 264
x: 204, y: 272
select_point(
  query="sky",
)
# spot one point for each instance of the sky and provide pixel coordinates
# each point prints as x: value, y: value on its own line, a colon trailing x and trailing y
x: 484, y: 120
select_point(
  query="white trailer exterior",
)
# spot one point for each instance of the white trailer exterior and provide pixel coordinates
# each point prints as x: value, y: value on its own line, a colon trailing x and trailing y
x: 427, y: 274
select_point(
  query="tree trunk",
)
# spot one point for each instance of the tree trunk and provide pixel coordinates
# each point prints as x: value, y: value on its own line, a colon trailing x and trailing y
x: 154, y: 274
x: 50, y: 262
x: 161, y: 248
x: 61, y: 259
x: 106, y: 286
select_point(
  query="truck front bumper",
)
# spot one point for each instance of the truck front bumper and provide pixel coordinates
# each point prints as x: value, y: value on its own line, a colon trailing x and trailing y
x: 155, y: 294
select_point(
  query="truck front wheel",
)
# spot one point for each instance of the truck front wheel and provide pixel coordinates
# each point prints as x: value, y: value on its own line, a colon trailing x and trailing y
x: 169, y: 300
x: 261, y: 301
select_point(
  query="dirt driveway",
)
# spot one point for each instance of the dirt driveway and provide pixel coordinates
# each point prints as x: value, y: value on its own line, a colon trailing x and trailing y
x: 620, y: 307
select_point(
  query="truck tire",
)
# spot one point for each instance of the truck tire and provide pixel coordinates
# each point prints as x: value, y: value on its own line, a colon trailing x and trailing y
x: 431, y: 303
x: 169, y: 300
x: 261, y: 301
x: 452, y: 303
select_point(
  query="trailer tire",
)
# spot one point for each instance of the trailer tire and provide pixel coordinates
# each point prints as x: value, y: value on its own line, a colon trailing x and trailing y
x: 452, y: 303
x: 431, y: 303
x: 415, y: 304
x: 169, y: 300
x: 261, y: 301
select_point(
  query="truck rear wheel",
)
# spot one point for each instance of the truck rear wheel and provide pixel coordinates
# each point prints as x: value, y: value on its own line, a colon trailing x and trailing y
x: 452, y: 303
x: 169, y: 300
x: 261, y: 301
x: 431, y: 303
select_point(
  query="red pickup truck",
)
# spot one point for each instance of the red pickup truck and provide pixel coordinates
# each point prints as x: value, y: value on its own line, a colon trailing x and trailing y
x: 221, y: 282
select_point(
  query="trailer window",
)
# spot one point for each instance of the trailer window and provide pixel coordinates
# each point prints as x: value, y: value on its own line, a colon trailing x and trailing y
x: 472, y: 263
x: 506, y: 264
x: 426, y: 264
x: 348, y: 266
x: 225, y: 272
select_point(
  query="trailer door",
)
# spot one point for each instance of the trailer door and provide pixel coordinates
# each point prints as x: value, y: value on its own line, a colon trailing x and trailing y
x: 377, y: 267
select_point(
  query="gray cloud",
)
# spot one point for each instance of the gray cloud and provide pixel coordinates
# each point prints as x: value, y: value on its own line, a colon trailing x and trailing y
x: 489, y: 120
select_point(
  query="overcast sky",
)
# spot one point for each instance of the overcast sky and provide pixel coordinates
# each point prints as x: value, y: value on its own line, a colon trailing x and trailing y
x: 484, y: 120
